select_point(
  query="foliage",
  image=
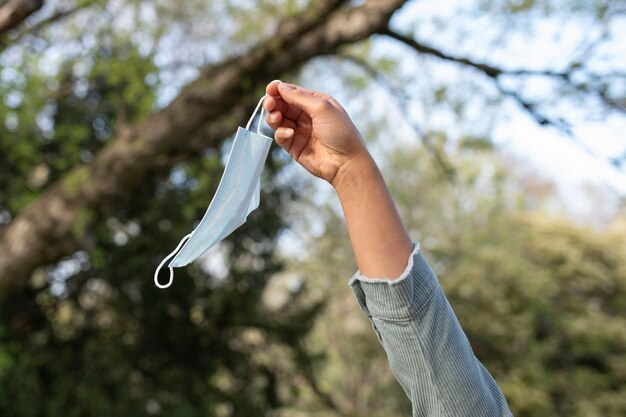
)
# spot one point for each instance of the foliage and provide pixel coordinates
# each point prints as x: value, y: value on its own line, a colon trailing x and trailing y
x: 540, y: 298
x: 244, y: 332
x: 93, y: 336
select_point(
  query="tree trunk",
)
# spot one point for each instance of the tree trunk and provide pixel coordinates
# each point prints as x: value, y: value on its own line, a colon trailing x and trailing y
x: 57, y: 224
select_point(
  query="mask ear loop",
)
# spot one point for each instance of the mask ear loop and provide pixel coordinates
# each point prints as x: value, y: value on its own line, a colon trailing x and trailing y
x: 256, y: 109
x: 156, y: 273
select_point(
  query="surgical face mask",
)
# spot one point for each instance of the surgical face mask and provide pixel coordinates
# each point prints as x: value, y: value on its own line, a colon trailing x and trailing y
x: 238, y: 194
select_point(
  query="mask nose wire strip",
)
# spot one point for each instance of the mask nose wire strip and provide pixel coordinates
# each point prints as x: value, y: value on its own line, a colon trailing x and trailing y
x: 156, y: 273
x: 256, y: 109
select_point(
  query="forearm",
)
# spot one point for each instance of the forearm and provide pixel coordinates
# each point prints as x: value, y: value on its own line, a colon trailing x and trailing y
x: 379, y: 240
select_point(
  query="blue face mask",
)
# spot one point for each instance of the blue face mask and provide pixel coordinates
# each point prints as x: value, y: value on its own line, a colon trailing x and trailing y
x: 238, y: 194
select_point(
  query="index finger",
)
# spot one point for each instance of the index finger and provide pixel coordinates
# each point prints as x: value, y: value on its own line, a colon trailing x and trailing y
x: 272, y: 89
x: 278, y: 104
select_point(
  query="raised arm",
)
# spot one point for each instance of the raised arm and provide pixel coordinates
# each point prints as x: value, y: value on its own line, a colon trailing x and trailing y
x: 318, y: 133
x: 427, y: 349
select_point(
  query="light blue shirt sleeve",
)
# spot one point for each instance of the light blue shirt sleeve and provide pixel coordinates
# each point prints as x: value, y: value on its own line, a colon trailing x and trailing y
x: 428, y: 352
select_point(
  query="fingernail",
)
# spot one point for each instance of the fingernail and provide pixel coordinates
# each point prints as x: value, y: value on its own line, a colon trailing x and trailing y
x: 289, y: 131
x: 283, y: 86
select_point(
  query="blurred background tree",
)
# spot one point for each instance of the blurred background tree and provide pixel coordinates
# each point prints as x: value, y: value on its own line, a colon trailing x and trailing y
x: 114, y: 126
x: 540, y: 298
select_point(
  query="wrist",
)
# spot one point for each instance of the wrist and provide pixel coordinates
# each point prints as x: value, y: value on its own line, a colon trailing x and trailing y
x: 356, y: 175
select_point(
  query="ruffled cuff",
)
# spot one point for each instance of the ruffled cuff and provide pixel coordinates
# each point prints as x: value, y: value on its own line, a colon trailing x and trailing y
x: 396, y: 299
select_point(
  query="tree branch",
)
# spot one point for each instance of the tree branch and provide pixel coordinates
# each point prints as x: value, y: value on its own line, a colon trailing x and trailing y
x: 14, y: 12
x: 439, y: 156
x: 58, y: 223
x: 496, y: 73
x: 53, y: 18
x: 488, y: 70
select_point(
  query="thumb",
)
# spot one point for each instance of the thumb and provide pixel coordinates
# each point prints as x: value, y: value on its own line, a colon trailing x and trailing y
x: 309, y: 104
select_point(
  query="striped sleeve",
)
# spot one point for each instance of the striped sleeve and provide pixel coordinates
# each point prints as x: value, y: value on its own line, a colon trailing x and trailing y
x: 428, y: 352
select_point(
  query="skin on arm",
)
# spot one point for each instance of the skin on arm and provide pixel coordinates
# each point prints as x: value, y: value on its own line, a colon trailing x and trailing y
x: 318, y: 133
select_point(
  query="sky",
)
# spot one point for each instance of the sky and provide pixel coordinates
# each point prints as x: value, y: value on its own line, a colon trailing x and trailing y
x: 531, y: 41
x: 537, y: 42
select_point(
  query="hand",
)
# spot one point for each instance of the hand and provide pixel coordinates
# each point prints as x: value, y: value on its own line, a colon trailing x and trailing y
x: 314, y: 129
x: 318, y: 133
